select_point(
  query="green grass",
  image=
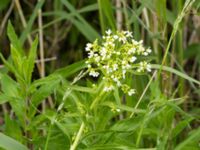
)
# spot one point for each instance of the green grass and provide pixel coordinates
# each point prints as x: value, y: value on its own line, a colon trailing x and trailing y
x: 68, y: 109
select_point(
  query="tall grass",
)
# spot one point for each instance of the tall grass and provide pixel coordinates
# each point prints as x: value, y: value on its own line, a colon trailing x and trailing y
x: 54, y: 104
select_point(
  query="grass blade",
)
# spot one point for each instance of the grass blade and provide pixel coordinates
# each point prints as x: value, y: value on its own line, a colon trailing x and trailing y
x: 10, y: 144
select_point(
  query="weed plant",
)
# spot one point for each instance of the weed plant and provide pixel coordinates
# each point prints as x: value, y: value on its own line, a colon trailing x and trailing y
x: 128, y: 76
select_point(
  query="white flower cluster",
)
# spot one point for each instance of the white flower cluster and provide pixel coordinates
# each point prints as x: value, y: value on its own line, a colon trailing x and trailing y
x: 115, y: 57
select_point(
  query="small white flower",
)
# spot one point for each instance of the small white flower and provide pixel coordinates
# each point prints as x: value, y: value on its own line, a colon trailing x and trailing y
x: 108, y: 32
x: 108, y: 56
x: 114, y: 78
x: 115, y: 67
x: 108, y: 88
x: 90, y: 54
x: 132, y: 51
x: 115, y: 37
x: 131, y: 92
x: 124, y: 62
x: 89, y: 66
x: 118, y: 110
x: 134, y: 42
x: 110, y: 43
x: 140, y: 50
x: 139, y: 70
x: 123, y: 73
x: 103, y: 51
x: 106, y: 67
x: 128, y: 66
x: 94, y: 73
x: 149, y: 50
x: 145, y: 54
x: 109, y: 70
x: 141, y: 42
x: 87, y: 49
x: 128, y: 34
x: 119, y: 83
x: 148, y: 67
x: 118, y: 53
x: 122, y: 39
x: 133, y: 59
x: 89, y: 45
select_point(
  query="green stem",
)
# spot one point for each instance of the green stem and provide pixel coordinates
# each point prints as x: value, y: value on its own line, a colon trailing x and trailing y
x: 96, y: 100
x: 48, y: 137
x: 146, y: 88
x: 78, y: 136
x: 101, y: 17
x: 185, y: 9
x: 139, y: 135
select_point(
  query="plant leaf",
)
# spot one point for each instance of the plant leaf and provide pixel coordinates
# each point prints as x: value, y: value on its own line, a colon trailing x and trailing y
x: 13, y: 38
x: 10, y: 144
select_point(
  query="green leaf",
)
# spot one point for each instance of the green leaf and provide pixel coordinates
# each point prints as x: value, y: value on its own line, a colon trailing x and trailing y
x: 161, y: 10
x: 43, y: 92
x: 11, y: 68
x: 192, y: 51
x: 4, y: 98
x: 13, y: 38
x: 88, y: 8
x: 194, y: 138
x: 87, y: 30
x: 180, y: 126
x: 106, y: 15
x: 9, y: 86
x: 13, y: 129
x: 127, y: 124
x: 8, y: 65
x: 170, y: 17
x: 17, y: 59
x: 11, y: 92
x: 19, y: 107
x: 29, y: 66
x: 172, y: 70
x: 30, y: 23
x: 45, y: 80
x: 10, y: 144
x: 71, y: 69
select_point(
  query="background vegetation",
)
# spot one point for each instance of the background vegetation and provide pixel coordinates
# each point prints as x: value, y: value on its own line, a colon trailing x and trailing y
x: 44, y: 107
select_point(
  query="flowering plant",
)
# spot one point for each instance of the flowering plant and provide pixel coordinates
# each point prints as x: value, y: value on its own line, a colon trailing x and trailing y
x: 115, y: 57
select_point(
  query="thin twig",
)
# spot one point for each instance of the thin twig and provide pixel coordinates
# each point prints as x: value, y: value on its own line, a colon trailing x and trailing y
x: 6, y: 17
x: 46, y: 59
x: 38, y: 61
x: 17, y: 3
x: 188, y: 4
x: 41, y: 44
x: 119, y: 16
x: 144, y: 92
